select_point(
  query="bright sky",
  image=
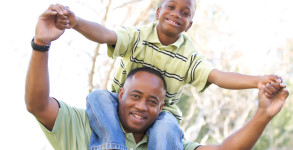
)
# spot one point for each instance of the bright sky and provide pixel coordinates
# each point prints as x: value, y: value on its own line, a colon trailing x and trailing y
x: 270, y: 21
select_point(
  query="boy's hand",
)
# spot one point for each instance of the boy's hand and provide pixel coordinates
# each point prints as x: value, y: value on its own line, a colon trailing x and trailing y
x: 67, y: 19
x: 268, y: 79
x: 272, y: 98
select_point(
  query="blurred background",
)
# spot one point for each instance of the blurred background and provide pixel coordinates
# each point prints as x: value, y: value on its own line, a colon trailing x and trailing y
x: 251, y: 37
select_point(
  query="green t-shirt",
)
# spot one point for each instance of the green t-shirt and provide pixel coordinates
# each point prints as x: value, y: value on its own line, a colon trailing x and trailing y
x: 72, y: 131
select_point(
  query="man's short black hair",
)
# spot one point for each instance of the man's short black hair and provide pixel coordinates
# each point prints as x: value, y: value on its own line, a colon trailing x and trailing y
x: 149, y: 70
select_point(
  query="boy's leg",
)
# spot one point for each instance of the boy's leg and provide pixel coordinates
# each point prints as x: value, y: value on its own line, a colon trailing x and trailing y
x: 103, y: 118
x: 165, y: 134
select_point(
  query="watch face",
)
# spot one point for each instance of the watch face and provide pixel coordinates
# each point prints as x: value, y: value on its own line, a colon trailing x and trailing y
x: 41, y: 48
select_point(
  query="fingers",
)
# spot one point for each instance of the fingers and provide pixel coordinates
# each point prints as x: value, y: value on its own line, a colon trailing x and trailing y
x: 57, y: 8
x: 62, y: 21
x: 271, y: 88
x: 275, y: 78
x: 284, y: 93
x: 276, y: 89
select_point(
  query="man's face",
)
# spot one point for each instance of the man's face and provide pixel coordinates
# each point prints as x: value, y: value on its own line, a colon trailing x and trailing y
x: 140, y: 101
x: 175, y: 16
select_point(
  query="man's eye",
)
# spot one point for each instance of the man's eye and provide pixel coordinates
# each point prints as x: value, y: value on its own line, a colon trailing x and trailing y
x: 134, y: 95
x: 153, y: 102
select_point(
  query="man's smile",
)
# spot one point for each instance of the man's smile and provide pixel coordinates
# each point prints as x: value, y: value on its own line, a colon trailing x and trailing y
x: 139, y: 116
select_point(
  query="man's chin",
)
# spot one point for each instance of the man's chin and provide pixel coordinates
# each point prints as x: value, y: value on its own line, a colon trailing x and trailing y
x: 136, y: 129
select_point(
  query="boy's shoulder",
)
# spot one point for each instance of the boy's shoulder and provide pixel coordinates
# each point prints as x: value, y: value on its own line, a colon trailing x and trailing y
x: 189, y: 43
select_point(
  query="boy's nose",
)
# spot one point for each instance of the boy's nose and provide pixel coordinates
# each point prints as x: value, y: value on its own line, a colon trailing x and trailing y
x: 176, y: 14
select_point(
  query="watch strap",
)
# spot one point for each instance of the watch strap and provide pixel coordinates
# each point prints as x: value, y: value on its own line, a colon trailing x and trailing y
x: 41, y: 48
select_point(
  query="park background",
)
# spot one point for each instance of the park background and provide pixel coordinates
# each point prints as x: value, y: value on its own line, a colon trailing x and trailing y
x: 251, y: 37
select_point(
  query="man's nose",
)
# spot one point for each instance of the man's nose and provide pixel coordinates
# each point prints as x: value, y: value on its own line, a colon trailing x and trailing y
x: 141, y: 105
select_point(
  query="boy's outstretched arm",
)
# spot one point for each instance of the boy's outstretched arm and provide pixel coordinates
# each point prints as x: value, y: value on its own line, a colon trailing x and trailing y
x: 271, y: 100
x: 91, y: 30
x: 231, y: 80
x: 37, y: 86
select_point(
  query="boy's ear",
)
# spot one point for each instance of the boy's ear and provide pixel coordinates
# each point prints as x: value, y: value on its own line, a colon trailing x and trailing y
x: 158, y: 13
x: 189, y: 25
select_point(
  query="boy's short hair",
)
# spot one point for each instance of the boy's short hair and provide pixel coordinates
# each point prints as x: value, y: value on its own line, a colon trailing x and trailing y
x: 162, y: 1
x: 149, y: 70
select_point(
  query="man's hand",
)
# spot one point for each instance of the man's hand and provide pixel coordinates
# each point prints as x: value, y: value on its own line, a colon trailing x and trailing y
x: 46, y: 30
x: 272, y: 98
x: 66, y: 21
x: 268, y: 79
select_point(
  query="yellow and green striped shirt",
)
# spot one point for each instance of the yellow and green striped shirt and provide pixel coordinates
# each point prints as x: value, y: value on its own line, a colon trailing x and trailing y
x: 180, y: 63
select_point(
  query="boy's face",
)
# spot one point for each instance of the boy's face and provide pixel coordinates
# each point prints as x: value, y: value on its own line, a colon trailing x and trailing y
x: 175, y: 16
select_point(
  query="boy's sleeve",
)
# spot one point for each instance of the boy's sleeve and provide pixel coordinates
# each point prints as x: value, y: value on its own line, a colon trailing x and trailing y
x: 198, y: 72
x: 187, y: 145
x: 126, y: 37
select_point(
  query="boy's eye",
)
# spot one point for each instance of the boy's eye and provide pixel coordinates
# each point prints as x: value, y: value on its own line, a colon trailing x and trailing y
x: 186, y: 14
x: 170, y: 6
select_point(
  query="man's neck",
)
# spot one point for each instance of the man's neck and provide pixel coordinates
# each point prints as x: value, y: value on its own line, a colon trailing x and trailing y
x: 138, y: 137
x: 166, y: 39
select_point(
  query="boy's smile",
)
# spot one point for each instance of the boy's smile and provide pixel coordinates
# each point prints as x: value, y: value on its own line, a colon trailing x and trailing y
x: 175, y: 16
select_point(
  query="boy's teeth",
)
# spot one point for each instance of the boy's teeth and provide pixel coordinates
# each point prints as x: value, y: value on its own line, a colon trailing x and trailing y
x: 172, y: 21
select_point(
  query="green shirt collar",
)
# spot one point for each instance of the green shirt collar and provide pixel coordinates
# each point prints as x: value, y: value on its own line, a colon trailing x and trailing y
x: 130, y: 141
x: 154, y: 38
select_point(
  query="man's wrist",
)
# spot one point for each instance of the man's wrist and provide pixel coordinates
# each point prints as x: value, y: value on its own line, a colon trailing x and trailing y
x: 40, y: 42
x: 39, y: 45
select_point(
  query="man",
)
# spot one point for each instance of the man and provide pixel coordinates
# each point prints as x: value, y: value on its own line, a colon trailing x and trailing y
x: 140, y: 102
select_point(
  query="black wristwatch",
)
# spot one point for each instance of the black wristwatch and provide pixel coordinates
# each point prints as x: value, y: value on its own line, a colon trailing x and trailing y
x: 41, y: 48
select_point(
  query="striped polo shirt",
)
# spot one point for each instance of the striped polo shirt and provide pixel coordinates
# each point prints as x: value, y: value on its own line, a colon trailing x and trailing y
x: 180, y: 63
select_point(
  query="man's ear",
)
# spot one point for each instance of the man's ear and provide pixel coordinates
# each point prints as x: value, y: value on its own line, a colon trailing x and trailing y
x: 158, y: 13
x: 189, y: 25
x: 161, y: 107
x: 120, y: 94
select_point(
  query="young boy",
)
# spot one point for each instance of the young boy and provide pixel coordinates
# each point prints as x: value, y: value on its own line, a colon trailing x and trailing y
x: 163, y: 47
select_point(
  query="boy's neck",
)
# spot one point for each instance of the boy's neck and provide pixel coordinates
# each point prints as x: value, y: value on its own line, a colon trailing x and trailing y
x: 166, y: 39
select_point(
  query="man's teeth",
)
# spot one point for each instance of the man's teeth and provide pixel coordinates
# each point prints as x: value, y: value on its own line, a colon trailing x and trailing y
x: 139, y: 117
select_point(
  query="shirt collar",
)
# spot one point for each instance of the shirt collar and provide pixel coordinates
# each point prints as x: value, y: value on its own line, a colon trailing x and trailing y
x: 154, y: 38
x: 131, y: 137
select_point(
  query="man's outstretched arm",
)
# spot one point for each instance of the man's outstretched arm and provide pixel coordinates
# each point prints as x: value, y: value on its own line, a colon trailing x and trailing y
x: 37, y: 87
x: 271, y: 100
